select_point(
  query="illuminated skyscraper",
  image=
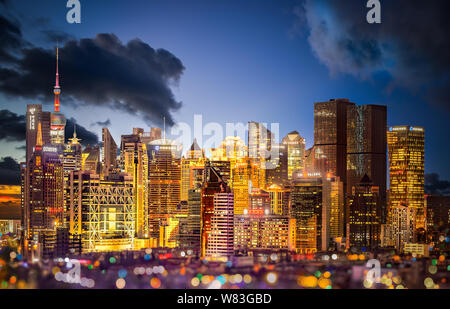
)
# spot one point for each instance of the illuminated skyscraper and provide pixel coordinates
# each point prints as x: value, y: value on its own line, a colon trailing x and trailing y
x: 190, y: 227
x: 90, y: 159
x: 164, y: 174
x: 224, y: 168
x: 72, y: 161
x: 276, y: 166
x: 102, y: 211
x: 45, y: 208
x: 316, y: 203
x: 306, y: 208
x: 57, y: 120
x: 333, y: 213
x: 295, y: 153
x: 365, y: 215
x: 34, y: 116
x: 330, y: 137
x: 279, y: 200
x: 136, y: 164
x: 259, y: 201
x: 192, y: 170
x: 109, y: 159
x: 255, y: 231
x: 406, y: 146
x: 259, y: 141
x: 366, y: 149
x: 72, y: 155
x: 220, y: 242
x: 403, y: 221
x: 213, y: 184
x: 240, y: 179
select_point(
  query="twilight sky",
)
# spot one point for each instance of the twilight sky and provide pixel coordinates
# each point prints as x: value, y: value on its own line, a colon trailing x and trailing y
x: 230, y: 61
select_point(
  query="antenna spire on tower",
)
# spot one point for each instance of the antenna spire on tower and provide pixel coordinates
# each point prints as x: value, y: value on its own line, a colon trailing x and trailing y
x: 57, y: 89
x: 164, y: 131
x: 39, y: 135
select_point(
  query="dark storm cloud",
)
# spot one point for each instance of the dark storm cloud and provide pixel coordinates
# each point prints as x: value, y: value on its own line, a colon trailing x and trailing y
x: 10, y: 38
x: 53, y: 36
x: 12, y: 126
x: 9, y: 171
x: 412, y: 42
x: 433, y: 185
x: 105, y: 123
x: 87, y: 137
x: 100, y: 71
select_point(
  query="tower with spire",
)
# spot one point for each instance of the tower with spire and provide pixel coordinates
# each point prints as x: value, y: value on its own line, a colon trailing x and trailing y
x: 57, y: 120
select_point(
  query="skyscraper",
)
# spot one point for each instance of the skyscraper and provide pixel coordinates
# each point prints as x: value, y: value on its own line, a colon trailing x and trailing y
x: 164, y: 176
x: 403, y: 222
x: 366, y: 149
x: 406, y: 146
x: 365, y: 215
x: 276, y: 166
x: 330, y: 137
x: 190, y: 227
x: 306, y: 208
x: 259, y: 141
x: 220, y: 242
x: 109, y: 159
x: 72, y: 161
x: 136, y: 164
x: 57, y: 120
x: 255, y: 231
x: 333, y: 213
x: 295, y: 153
x: 34, y: 116
x: 102, y: 211
x: 213, y: 184
x: 45, y: 207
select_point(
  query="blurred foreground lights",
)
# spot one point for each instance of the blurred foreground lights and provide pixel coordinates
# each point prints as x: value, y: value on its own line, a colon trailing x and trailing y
x: 432, y: 269
x: 271, y: 278
x: 139, y: 270
x: 120, y: 283
x: 237, y: 278
x: 155, y: 283
x: 429, y: 283
x: 216, y: 284
x: 247, y: 279
x: 324, y: 283
x: 368, y: 283
x: 325, y: 257
x: 334, y: 256
x: 307, y: 281
x: 274, y: 257
x: 195, y: 282
x: 183, y: 254
x: 86, y: 282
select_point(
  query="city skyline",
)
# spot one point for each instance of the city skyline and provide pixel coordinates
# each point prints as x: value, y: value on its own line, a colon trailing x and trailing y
x: 121, y: 183
x: 192, y: 83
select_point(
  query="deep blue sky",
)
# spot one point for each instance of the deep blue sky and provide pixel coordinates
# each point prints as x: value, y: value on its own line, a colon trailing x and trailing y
x: 245, y: 60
